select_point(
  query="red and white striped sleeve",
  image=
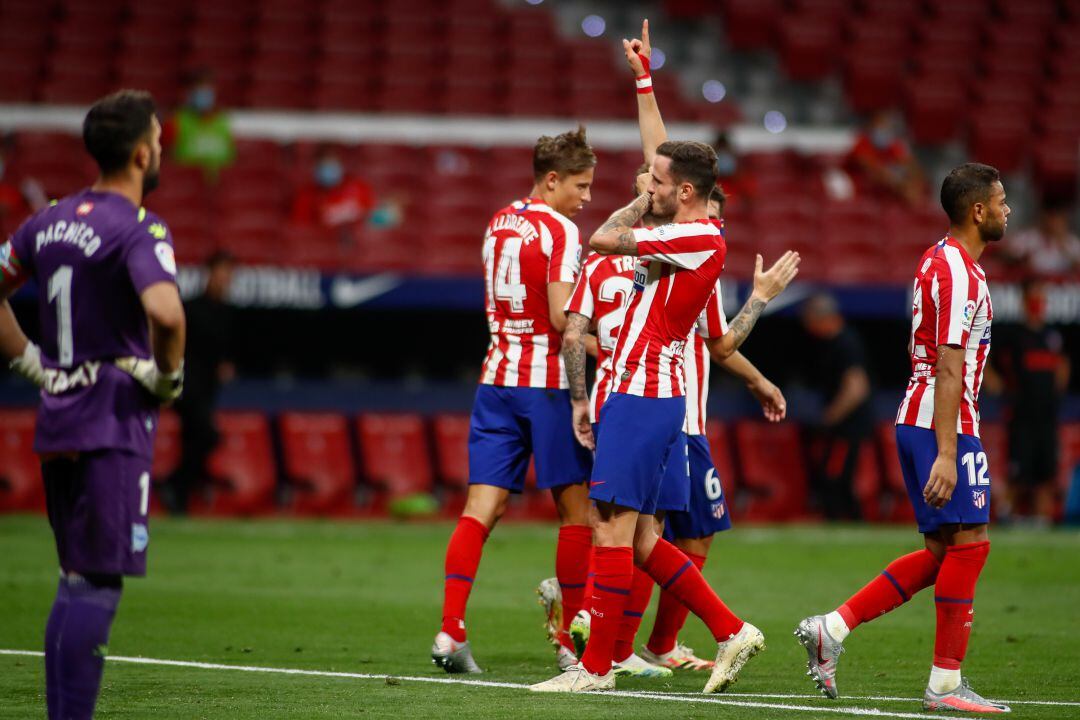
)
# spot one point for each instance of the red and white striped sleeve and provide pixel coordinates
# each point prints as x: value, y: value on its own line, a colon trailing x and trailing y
x: 955, y: 297
x: 582, y: 300
x: 711, y: 323
x: 565, y: 260
x: 684, y: 245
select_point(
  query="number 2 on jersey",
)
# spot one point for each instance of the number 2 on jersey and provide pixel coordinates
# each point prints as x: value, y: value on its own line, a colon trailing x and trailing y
x: 60, y: 290
x: 508, y: 285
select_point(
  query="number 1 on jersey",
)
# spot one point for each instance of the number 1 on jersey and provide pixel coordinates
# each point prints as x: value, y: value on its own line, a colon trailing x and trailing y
x: 60, y: 291
x: 508, y: 285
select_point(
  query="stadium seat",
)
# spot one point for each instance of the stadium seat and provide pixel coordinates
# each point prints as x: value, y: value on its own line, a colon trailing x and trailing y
x: 318, y: 463
x: 167, y: 446
x: 720, y: 446
x: 898, y: 508
x: 21, y: 487
x: 395, y: 457
x: 774, y: 479
x: 242, y: 467
x: 995, y: 442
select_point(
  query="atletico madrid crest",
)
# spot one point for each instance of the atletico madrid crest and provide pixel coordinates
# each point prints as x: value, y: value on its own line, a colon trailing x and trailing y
x: 978, y: 497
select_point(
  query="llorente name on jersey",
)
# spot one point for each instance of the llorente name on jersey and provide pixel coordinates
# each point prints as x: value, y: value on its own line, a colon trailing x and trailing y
x: 516, y: 223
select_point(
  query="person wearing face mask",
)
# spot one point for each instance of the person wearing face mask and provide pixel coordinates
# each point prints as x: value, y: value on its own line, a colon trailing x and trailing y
x: 1036, y: 374
x: 333, y: 199
x: 740, y: 187
x: 882, y: 163
x: 198, y: 134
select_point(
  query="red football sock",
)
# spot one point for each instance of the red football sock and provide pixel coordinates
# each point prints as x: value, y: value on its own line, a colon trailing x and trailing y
x: 673, y: 571
x: 462, y: 558
x: 640, y: 594
x: 572, y: 556
x: 903, y: 577
x: 954, y: 593
x: 614, y: 574
x: 670, y: 616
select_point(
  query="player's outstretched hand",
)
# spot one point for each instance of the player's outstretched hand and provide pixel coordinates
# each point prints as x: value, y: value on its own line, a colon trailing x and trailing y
x: 582, y: 427
x: 773, y: 404
x: 771, y: 282
x: 166, y: 387
x: 636, y: 47
x: 939, y: 488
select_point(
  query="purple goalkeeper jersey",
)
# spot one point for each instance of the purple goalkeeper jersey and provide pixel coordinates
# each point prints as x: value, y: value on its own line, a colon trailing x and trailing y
x: 92, y: 254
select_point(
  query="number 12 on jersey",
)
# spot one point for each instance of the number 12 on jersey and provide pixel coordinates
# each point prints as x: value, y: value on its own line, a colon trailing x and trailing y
x: 969, y: 461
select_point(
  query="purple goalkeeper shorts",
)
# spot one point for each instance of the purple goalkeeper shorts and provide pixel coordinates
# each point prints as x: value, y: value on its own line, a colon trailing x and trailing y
x: 98, y: 506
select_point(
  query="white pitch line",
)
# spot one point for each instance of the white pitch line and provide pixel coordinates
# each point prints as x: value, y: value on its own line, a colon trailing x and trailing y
x: 732, y: 698
x: 862, y: 712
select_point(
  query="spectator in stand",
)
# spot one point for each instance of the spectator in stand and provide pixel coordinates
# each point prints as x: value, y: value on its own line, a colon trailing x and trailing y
x: 198, y: 134
x: 17, y: 200
x: 835, y: 364
x: 1048, y: 250
x: 335, y: 201
x: 738, y: 184
x: 1035, y: 373
x: 883, y: 165
x: 206, y: 366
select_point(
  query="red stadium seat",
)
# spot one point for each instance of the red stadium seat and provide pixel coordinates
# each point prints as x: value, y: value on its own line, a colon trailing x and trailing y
x: 167, y: 448
x: 318, y: 462
x: 395, y: 455
x: 898, y: 506
x: 720, y: 445
x: 21, y: 487
x: 451, y: 433
x: 774, y: 479
x: 242, y: 466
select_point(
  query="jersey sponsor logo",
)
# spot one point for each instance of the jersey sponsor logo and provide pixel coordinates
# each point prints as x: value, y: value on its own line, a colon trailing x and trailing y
x: 78, y: 234
x: 985, y: 339
x: 84, y: 209
x: 518, y: 327
x: 978, y: 498
x: 157, y: 231
x: 969, y: 314
x: 165, y: 256
x: 59, y: 381
x: 641, y: 276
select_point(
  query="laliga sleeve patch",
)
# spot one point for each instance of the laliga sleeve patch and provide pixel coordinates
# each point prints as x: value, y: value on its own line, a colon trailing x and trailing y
x: 165, y: 256
x: 969, y: 314
x: 9, y: 264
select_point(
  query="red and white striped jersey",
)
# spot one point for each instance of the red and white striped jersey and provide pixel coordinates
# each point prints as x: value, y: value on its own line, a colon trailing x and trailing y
x: 677, y: 269
x: 711, y: 323
x: 950, y: 306
x: 602, y: 294
x: 527, y: 245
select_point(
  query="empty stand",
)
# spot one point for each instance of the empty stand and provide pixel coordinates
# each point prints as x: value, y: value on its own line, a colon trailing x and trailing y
x: 21, y: 487
x: 318, y: 463
x: 242, y: 467
x: 773, y: 479
x: 395, y: 456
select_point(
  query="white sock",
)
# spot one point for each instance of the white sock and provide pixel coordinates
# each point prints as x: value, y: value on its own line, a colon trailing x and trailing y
x: 942, y: 680
x: 836, y: 626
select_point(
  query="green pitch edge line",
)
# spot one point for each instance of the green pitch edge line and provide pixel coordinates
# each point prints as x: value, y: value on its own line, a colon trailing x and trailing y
x: 664, y: 697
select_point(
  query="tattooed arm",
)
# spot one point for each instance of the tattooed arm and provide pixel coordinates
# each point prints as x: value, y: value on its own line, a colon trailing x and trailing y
x: 767, y: 285
x: 616, y: 236
x: 573, y: 352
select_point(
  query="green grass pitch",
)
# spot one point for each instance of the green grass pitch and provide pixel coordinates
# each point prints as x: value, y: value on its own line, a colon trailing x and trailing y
x: 365, y: 598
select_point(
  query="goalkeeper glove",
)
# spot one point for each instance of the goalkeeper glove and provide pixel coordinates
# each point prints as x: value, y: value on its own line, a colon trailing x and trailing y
x: 29, y: 364
x: 166, y: 387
